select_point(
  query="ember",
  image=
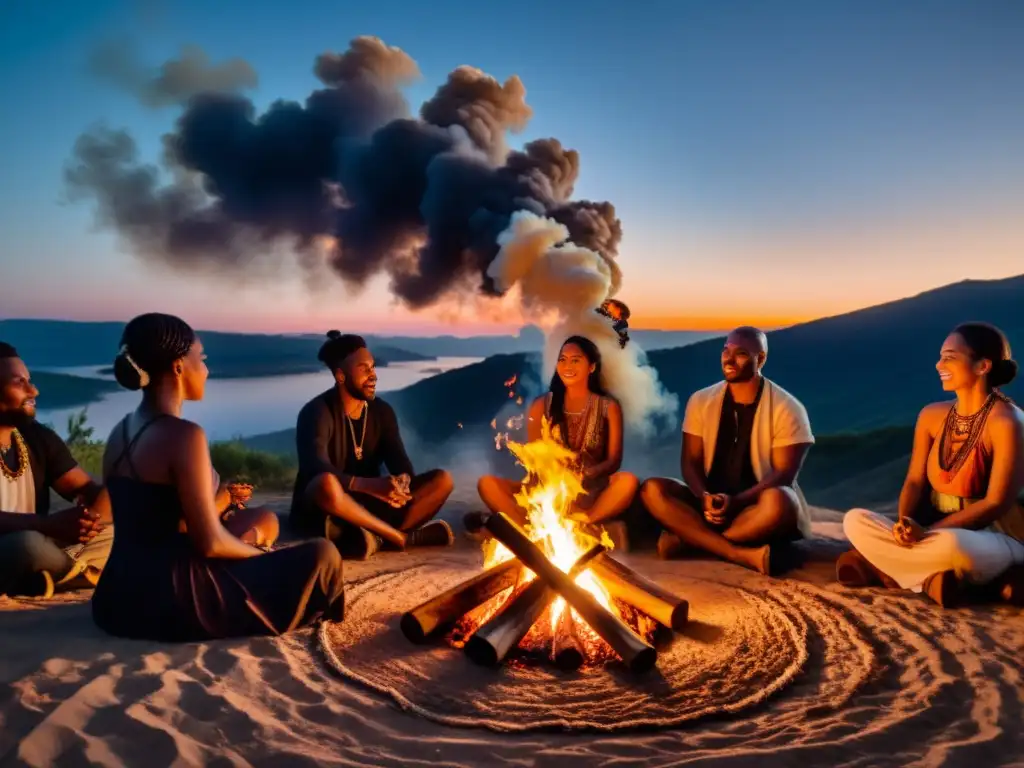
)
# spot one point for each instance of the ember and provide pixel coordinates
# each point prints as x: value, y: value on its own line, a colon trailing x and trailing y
x: 552, y: 590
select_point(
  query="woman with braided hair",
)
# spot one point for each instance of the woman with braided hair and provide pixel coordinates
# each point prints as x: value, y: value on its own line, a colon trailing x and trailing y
x: 177, y: 572
x: 961, y: 518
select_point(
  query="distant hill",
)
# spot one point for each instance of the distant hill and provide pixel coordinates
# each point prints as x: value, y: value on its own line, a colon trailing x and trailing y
x: 59, y: 390
x: 863, y: 377
x: 529, y: 340
x: 62, y: 343
x: 866, y: 369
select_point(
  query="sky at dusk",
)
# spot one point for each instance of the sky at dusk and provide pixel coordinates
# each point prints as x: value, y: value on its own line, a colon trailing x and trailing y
x: 770, y: 162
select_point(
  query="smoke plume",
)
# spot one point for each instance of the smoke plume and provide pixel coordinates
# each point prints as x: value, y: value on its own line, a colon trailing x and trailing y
x: 561, y: 284
x: 349, y: 172
x: 176, y: 81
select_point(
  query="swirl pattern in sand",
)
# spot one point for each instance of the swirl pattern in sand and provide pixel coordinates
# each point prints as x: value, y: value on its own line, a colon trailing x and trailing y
x: 748, y: 640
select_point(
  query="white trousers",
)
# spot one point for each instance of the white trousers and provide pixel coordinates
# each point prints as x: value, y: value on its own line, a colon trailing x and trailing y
x: 976, y: 556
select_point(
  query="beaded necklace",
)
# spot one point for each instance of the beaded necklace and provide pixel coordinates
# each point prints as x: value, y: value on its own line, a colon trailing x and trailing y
x: 966, y: 428
x: 14, y: 475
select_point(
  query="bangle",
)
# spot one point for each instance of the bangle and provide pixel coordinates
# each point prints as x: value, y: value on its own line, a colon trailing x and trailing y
x: 352, y: 483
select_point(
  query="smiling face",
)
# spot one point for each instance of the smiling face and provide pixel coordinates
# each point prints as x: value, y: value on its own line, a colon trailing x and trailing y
x: 17, y: 393
x: 957, y: 367
x: 358, y: 374
x: 742, y: 358
x: 573, y: 367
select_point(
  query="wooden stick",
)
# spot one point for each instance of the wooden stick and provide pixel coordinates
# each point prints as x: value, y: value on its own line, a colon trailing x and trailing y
x: 634, y: 652
x: 567, y: 649
x: 493, y: 640
x: 625, y: 584
x: 426, y: 619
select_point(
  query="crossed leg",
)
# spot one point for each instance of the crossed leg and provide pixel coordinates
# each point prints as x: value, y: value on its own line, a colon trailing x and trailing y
x: 747, y: 538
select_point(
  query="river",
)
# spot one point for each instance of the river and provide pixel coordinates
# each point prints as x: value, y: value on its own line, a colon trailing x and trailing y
x: 242, y: 407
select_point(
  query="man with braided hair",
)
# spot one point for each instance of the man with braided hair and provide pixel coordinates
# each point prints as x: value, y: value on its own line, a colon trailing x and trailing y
x: 343, y: 436
x: 40, y: 551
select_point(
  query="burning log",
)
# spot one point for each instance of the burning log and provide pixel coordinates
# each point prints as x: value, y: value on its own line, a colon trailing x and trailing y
x: 625, y: 584
x: 566, y: 646
x: 634, y: 652
x: 426, y: 619
x: 494, y: 639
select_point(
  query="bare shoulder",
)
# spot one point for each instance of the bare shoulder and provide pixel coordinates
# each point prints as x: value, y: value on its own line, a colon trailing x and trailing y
x: 1007, y: 418
x: 612, y: 405
x: 932, y: 415
x: 181, y: 435
x: 538, y: 404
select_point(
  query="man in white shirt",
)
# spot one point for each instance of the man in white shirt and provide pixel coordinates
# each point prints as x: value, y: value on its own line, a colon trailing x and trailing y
x: 39, y: 550
x: 744, y: 441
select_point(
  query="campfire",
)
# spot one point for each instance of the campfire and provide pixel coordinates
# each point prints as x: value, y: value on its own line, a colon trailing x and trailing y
x: 551, y: 589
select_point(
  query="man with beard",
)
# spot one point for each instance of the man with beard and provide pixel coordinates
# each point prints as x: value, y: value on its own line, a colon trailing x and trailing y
x: 744, y: 441
x: 39, y: 550
x: 343, y: 437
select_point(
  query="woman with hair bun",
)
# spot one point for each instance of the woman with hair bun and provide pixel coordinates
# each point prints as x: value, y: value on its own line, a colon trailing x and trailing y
x: 961, y: 518
x: 176, y: 571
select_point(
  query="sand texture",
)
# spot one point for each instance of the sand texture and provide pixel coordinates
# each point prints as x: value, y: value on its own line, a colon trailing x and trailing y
x: 774, y: 672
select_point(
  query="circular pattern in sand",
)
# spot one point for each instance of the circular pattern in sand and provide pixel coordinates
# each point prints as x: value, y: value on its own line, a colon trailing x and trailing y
x: 748, y: 640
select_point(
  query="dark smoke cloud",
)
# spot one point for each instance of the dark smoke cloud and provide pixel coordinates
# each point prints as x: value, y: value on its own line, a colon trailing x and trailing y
x: 176, y: 81
x: 420, y: 199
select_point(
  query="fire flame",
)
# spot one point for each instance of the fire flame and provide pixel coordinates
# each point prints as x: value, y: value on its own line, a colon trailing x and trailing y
x: 552, y: 484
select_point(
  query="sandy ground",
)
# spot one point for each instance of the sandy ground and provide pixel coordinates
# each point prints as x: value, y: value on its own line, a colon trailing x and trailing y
x: 772, y: 671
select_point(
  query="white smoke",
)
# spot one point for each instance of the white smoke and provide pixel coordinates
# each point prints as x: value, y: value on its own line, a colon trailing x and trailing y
x: 561, y: 285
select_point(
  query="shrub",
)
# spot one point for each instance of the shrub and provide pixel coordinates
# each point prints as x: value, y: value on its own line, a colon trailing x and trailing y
x: 266, y: 471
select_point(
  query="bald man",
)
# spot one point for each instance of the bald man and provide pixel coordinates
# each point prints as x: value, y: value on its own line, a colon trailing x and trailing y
x: 744, y: 441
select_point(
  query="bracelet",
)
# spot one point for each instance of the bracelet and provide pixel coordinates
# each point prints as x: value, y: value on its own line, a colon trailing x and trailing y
x: 351, y: 483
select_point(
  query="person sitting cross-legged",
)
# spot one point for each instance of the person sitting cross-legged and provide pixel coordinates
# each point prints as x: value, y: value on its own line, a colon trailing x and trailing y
x: 588, y: 421
x: 343, y: 436
x: 961, y: 511
x: 42, y: 551
x: 744, y: 441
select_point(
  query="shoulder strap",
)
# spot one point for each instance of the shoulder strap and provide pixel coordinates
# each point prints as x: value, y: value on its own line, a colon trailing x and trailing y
x: 128, y: 445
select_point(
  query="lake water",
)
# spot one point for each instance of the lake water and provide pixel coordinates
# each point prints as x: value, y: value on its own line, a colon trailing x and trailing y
x: 237, y: 407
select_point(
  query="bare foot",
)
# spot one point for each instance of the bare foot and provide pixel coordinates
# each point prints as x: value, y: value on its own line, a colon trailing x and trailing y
x: 854, y: 570
x: 758, y: 559
x: 942, y: 588
x: 1011, y: 586
x: 669, y: 546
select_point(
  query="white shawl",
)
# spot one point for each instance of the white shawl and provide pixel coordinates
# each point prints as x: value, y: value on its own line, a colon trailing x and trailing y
x: 780, y: 420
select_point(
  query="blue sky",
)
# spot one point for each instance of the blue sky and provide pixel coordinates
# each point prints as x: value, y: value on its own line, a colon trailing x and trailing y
x: 780, y: 161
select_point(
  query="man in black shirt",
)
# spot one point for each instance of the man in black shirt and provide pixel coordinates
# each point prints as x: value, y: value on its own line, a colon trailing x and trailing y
x: 343, y: 436
x: 744, y: 441
x: 38, y: 550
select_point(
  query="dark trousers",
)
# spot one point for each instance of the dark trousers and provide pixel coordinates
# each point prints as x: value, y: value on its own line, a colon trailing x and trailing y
x: 25, y: 553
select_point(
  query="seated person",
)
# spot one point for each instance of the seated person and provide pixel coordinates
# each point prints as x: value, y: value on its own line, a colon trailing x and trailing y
x: 589, y: 423
x: 744, y: 441
x: 960, y: 514
x: 38, y: 550
x: 343, y: 436
x: 165, y: 584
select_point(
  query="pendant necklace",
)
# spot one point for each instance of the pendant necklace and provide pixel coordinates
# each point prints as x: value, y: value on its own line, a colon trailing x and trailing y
x: 358, y: 447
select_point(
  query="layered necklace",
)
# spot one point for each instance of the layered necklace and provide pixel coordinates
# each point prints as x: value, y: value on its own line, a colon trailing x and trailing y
x: 964, y: 430
x: 19, y: 442
x: 358, y: 446
x: 577, y: 423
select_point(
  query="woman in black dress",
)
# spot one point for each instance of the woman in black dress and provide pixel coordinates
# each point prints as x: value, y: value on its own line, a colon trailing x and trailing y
x: 175, y: 571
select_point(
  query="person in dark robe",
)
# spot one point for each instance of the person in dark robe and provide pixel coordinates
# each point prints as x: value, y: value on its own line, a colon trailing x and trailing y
x: 343, y: 437
x: 176, y: 571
